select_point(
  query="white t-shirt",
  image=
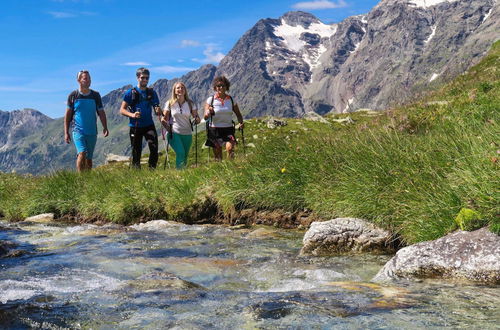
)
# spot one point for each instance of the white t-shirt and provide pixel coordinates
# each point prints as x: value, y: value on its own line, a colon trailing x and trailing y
x: 223, y: 112
x: 181, y: 116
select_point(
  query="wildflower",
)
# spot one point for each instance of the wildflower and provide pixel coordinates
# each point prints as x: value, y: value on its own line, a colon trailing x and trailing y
x: 283, y: 170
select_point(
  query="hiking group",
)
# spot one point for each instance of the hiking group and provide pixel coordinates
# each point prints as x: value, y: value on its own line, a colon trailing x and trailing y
x: 139, y: 104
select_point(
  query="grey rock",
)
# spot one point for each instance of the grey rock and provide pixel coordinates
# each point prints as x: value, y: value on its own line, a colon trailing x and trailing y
x: 112, y: 158
x: 313, y: 116
x: 473, y: 256
x: 343, y: 235
x: 41, y: 218
x: 273, y: 123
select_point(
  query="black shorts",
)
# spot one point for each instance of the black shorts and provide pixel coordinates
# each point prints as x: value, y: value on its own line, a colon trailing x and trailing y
x: 216, y: 136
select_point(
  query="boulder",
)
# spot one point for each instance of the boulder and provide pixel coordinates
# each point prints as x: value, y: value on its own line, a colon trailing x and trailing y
x: 473, y: 256
x: 273, y: 123
x: 313, y: 116
x: 112, y: 158
x: 41, y: 218
x: 343, y: 235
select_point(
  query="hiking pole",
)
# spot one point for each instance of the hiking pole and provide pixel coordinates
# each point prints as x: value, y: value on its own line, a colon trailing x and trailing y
x: 133, y: 139
x: 243, y: 140
x: 195, y: 141
x: 164, y: 142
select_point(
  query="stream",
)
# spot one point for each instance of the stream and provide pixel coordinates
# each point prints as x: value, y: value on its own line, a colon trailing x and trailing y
x: 162, y: 275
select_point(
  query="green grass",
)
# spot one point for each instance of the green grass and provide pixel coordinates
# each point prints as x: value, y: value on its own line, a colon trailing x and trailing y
x: 410, y: 170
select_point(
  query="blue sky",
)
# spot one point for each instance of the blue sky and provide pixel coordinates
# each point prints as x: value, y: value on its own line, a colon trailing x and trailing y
x: 45, y: 42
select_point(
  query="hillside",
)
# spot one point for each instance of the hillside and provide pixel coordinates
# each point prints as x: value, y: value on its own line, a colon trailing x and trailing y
x: 296, y: 64
x: 410, y: 170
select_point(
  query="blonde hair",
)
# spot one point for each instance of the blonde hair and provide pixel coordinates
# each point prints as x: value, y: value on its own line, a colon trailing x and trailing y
x: 173, y: 97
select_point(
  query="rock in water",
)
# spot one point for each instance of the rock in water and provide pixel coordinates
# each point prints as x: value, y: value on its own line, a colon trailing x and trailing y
x: 473, y: 256
x: 344, y: 235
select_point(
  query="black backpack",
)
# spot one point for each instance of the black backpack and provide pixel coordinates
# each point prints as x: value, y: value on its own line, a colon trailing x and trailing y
x: 137, y: 97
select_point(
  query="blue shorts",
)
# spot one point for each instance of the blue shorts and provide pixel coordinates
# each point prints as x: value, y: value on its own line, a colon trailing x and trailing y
x: 84, y: 143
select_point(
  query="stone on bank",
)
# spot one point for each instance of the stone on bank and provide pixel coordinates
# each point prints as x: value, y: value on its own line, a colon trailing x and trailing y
x: 344, y: 235
x: 472, y: 256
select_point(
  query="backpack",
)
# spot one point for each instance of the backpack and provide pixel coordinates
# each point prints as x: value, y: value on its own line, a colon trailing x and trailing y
x: 75, y: 95
x: 136, y: 97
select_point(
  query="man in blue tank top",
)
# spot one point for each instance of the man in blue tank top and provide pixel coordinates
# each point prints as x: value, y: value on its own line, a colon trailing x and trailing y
x: 138, y: 104
x: 84, y: 105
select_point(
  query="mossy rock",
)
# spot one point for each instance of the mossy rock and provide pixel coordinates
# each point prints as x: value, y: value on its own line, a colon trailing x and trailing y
x: 468, y: 220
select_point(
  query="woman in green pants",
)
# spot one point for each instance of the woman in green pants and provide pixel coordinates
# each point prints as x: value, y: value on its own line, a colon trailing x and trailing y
x: 177, y: 119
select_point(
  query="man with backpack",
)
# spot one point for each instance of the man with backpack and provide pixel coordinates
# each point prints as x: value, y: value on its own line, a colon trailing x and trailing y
x: 138, y: 104
x: 84, y: 105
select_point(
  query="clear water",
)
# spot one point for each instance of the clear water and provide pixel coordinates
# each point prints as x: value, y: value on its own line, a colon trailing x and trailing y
x: 166, y: 275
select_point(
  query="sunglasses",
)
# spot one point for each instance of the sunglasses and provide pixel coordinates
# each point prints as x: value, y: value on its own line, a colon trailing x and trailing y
x: 144, y: 78
x: 80, y: 73
x: 220, y: 86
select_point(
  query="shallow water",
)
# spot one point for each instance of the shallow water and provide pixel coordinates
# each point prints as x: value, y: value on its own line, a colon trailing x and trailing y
x: 168, y: 275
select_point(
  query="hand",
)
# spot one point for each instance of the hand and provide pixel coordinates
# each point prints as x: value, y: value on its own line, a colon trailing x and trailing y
x: 136, y: 115
x: 105, y: 132
x: 67, y: 137
x: 164, y: 122
x: 197, y: 119
x: 241, y: 125
x: 157, y: 110
x: 211, y: 111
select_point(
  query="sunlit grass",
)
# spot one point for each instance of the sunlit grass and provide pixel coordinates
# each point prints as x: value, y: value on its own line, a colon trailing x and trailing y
x: 410, y: 170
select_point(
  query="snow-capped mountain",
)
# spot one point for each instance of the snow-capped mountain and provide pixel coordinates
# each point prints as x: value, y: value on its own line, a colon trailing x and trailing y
x: 295, y: 64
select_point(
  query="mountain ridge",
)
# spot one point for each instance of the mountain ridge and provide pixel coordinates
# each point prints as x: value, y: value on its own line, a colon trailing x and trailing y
x: 295, y: 64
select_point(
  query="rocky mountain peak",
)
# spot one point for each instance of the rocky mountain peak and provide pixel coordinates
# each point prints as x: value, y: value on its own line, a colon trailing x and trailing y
x: 299, y: 18
x: 416, y: 3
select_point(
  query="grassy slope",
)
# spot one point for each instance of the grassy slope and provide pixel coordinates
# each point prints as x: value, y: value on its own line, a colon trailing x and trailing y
x: 410, y: 170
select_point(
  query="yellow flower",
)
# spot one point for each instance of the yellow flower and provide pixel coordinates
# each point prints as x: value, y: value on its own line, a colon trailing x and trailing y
x: 283, y: 170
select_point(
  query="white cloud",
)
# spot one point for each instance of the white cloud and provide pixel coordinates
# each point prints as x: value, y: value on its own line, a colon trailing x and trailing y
x: 61, y: 14
x: 212, y: 55
x: 190, y: 43
x: 66, y: 14
x: 171, y: 69
x: 136, y: 64
x: 320, y: 4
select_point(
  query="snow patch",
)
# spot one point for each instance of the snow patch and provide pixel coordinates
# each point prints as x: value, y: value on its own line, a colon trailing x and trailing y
x: 427, y: 3
x: 434, y: 76
x: 431, y: 35
x: 356, y: 46
x: 348, y: 105
x: 487, y: 15
x: 291, y: 34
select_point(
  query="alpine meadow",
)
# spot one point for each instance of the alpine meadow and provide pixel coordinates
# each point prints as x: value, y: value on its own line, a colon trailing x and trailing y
x: 412, y: 170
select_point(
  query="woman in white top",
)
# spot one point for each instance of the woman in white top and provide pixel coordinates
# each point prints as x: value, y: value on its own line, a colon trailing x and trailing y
x: 218, y: 114
x: 177, y: 119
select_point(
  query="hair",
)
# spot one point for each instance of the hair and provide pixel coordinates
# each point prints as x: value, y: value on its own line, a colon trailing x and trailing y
x: 173, y: 97
x: 221, y: 79
x: 141, y: 71
x: 79, y: 74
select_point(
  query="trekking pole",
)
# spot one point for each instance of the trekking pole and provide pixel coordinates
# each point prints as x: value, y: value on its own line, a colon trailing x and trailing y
x: 243, y: 140
x: 195, y: 142
x: 164, y: 142
x: 133, y: 140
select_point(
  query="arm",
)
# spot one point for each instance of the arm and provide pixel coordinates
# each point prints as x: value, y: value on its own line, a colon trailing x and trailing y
x: 236, y: 110
x: 194, y: 113
x: 209, y: 111
x: 124, y: 111
x: 102, y: 117
x: 165, y: 120
x: 68, y: 117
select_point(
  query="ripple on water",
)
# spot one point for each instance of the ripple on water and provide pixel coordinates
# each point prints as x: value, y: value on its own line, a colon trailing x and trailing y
x: 71, y: 281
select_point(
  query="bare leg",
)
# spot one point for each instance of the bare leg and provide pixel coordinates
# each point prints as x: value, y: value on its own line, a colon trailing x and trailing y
x: 218, y: 153
x: 81, y: 162
x: 230, y: 149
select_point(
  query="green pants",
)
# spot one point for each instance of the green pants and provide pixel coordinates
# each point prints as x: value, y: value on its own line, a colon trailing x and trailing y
x: 181, y: 145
